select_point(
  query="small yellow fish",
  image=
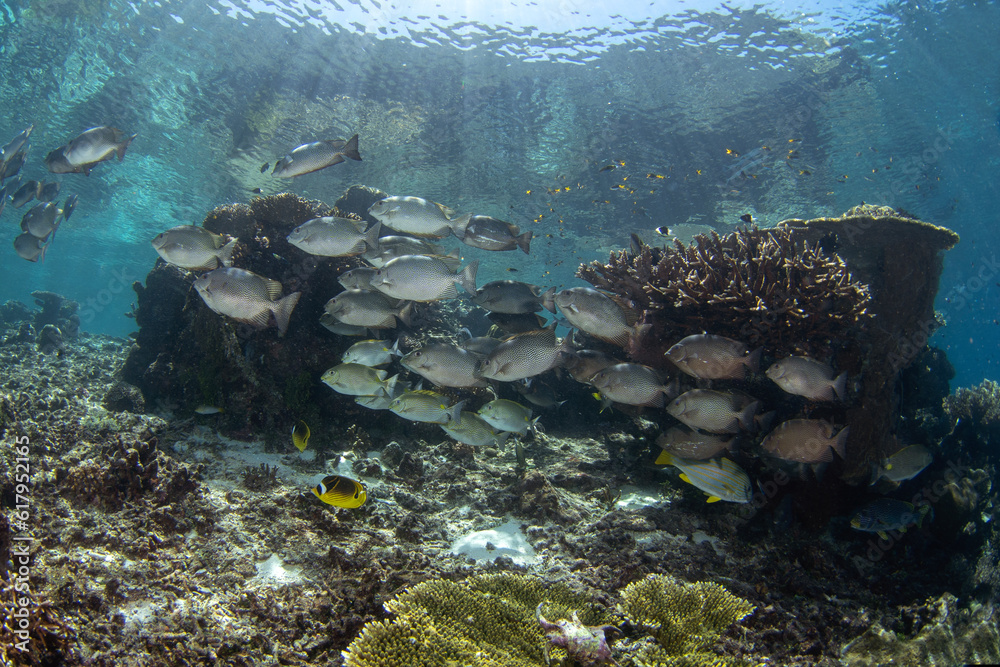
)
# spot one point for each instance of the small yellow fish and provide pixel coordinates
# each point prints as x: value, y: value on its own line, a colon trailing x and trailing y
x: 341, y: 492
x: 207, y: 410
x: 300, y: 435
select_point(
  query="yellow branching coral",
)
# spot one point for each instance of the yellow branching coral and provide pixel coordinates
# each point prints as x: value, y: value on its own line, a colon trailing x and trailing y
x: 485, y: 621
x: 684, y: 618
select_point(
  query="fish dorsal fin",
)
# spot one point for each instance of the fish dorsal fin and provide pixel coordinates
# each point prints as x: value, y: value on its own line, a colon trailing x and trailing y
x: 426, y: 392
x: 664, y: 459
x: 628, y: 309
x: 274, y: 288
x: 685, y: 478
x: 448, y: 212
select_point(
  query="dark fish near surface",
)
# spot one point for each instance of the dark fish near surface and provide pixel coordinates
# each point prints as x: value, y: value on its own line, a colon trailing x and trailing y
x: 15, y: 144
x: 93, y: 146
x: 806, y: 441
x: 13, y: 166
x: 246, y: 297
x: 486, y: 233
x: 341, y: 492
x: 47, y: 191
x: 511, y: 297
x: 41, y: 220
x: 807, y: 377
x: 69, y: 206
x: 308, y: 158
x: 264, y: 167
x: 523, y: 355
x: 885, y: 514
x: 713, y: 357
x: 30, y: 247
x: 24, y: 194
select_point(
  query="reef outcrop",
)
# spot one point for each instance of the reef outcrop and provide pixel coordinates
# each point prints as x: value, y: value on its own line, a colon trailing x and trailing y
x: 858, y: 289
x: 190, y: 356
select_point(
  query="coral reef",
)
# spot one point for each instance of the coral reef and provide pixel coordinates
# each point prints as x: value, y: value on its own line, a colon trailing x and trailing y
x: 974, y: 415
x: 763, y: 286
x: 124, y: 397
x: 686, y: 619
x: 485, y: 621
x: 47, y: 639
x: 951, y: 635
x: 58, y: 311
x: 859, y: 288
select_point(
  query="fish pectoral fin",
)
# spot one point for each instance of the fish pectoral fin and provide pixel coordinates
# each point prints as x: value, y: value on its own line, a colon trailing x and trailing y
x: 713, y: 499
x: 883, y: 535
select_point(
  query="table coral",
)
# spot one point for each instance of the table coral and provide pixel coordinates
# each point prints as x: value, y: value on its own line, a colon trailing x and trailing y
x: 686, y: 619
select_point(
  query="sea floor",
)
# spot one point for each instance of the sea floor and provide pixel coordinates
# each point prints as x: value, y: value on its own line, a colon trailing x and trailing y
x: 157, y: 541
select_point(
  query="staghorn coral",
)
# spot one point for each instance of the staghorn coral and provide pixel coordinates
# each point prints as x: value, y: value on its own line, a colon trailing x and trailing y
x: 485, y: 621
x: 762, y: 286
x: 685, y: 618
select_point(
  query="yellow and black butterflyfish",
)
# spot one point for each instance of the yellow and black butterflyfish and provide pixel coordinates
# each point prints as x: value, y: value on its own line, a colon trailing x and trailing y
x: 300, y: 435
x: 341, y: 492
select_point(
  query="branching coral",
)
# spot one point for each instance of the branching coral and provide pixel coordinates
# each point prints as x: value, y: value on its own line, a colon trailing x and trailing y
x: 32, y: 633
x: 485, y: 621
x: 685, y: 618
x: 762, y: 286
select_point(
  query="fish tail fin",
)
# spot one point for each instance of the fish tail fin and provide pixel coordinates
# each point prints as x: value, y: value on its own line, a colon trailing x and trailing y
x: 283, y: 311
x: 501, y: 437
x: 664, y: 459
x: 876, y: 474
x: 840, y: 444
x: 746, y: 416
x: 524, y: 243
x: 752, y: 360
x: 350, y: 149
x: 455, y: 411
x: 371, y: 236
x: 467, y: 278
x: 405, y: 316
x: 226, y: 253
x: 123, y: 146
x: 394, y: 350
x: 460, y: 225
x: 549, y: 299
x: 840, y: 386
x: 764, y: 421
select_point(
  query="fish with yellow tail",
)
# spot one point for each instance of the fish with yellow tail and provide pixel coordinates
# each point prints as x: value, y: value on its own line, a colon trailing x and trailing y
x: 341, y: 492
x: 300, y: 436
x: 721, y: 478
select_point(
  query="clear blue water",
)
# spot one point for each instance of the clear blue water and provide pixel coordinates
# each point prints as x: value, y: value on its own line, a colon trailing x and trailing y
x: 475, y: 106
